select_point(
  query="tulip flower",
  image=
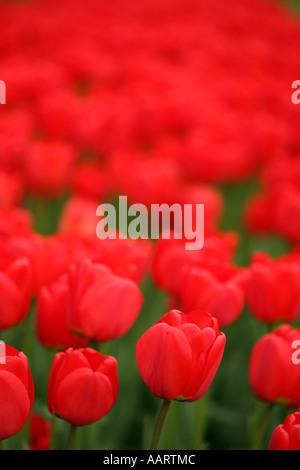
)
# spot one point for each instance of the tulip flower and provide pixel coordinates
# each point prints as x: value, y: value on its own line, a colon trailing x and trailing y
x: 17, y: 392
x: 103, y: 306
x: 48, y: 167
x: 223, y: 298
x: 15, y: 220
x: 83, y: 385
x: 273, y: 376
x: 170, y: 257
x: 15, y: 293
x: 39, y: 432
x: 273, y: 292
x: 79, y: 217
x: 52, y: 317
x: 287, y: 435
x: 179, y: 356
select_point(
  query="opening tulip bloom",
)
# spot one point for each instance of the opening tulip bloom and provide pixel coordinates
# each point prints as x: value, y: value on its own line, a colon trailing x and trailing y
x: 273, y: 376
x: 16, y: 392
x: 83, y: 385
x: 179, y: 356
x: 287, y: 435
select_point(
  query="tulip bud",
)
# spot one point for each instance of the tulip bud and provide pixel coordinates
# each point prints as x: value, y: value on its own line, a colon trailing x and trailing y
x: 287, y: 435
x: 17, y: 392
x: 39, y: 433
x: 103, y: 306
x: 273, y: 376
x: 83, y: 385
x: 179, y: 356
x: 15, y: 293
x: 274, y: 288
x: 51, y: 317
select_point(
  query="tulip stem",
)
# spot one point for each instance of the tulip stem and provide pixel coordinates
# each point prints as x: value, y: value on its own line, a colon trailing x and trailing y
x: 263, y: 427
x: 159, y: 424
x: 71, y: 438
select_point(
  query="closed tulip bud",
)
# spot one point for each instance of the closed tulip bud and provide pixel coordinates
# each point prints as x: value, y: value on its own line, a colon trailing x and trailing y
x: 51, y: 317
x: 179, y: 356
x: 83, y: 385
x: 17, y: 392
x: 287, y: 435
x: 273, y: 375
x: 15, y: 293
x: 103, y: 306
x: 39, y: 433
x: 274, y: 288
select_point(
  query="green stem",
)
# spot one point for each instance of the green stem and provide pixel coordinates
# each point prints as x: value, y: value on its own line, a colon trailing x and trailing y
x: 201, y: 420
x: 71, y: 438
x: 159, y: 424
x: 262, y: 429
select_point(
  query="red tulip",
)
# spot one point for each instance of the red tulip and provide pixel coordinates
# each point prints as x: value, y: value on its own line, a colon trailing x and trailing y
x: 48, y: 167
x: 179, y: 356
x: 17, y: 392
x: 40, y: 432
x: 223, y: 298
x: 274, y: 288
x: 79, y: 217
x: 11, y: 189
x: 170, y: 257
x: 15, y: 293
x: 83, y: 385
x: 103, y: 306
x: 52, y: 317
x: 287, y: 435
x: 273, y: 376
x: 15, y: 221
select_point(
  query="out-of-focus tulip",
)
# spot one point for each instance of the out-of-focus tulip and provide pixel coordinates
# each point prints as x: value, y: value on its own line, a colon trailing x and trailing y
x: 79, y: 217
x: 48, y: 166
x: 103, y: 306
x: 273, y: 376
x: 51, y: 317
x: 15, y: 221
x: 287, y: 435
x: 15, y: 293
x: 11, y: 188
x: 179, y: 356
x: 170, y: 257
x: 83, y: 385
x: 17, y: 392
x: 207, y: 195
x: 224, y: 299
x: 273, y: 292
x: 39, y: 432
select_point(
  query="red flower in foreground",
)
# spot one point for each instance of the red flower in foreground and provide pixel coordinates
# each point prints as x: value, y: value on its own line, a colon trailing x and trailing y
x: 179, y: 356
x: 273, y: 376
x: 83, y: 385
x: 287, y: 435
x: 16, y: 391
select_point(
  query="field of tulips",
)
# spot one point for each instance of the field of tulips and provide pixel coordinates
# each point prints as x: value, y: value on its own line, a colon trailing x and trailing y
x: 127, y: 342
